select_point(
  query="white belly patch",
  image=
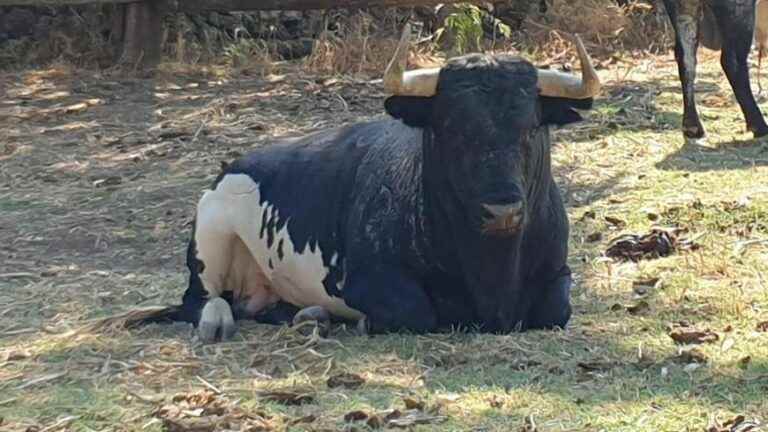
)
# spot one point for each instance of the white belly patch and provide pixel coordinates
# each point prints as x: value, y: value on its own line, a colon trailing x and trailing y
x: 235, y: 208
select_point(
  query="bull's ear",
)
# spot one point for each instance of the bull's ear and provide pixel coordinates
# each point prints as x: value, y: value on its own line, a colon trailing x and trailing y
x: 561, y: 111
x: 414, y: 111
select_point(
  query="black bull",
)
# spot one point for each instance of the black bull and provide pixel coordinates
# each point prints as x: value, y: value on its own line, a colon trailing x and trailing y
x: 718, y: 24
x: 446, y: 215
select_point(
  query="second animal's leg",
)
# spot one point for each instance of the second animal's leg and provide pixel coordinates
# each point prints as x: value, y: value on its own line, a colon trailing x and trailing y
x: 736, y: 21
x: 684, y: 15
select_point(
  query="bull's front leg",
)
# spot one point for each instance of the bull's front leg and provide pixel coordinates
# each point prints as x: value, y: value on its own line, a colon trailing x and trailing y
x: 552, y: 306
x: 390, y: 299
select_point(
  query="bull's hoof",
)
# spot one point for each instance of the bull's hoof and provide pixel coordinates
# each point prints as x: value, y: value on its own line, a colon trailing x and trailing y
x: 363, y: 326
x: 216, y: 320
x: 318, y: 314
x: 697, y: 142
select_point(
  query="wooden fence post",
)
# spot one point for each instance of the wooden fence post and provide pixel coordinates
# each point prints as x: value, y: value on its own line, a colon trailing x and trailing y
x: 142, y: 33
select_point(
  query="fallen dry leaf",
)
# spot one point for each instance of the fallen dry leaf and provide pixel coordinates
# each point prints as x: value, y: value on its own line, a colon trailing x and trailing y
x: 636, y: 309
x: 688, y: 335
x: 495, y: 402
x: 641, y: 307
x: 16, y: 355
x: 656, y: 244
x: 736, y: 424
x: 196, y: 399
x: 521, y: 365
x: 309, y: 418
x: 744, y: 361
x: 634, y: 247
x: 641, y: 287
x: 613, y: 220
x: 411, y: 403
x: 762, y: 326
x: 374, y: 422
x: 346, y: 380
x: 287, y: 397
x: 692, y: 355
x: 191, y: 425
x: 354, y: 416
x: 596, y: 366
x: 415, y: 417
x: 594, y: 237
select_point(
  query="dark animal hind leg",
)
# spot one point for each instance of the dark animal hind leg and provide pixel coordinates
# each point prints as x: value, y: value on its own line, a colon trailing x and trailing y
x: 553, y: 308
x: 736, y: 24
x: 684, y: 16
x: 390, y: 300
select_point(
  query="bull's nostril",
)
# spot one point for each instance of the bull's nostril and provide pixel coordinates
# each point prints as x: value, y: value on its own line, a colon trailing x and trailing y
x: 503, y: 218
x: 504, y: 211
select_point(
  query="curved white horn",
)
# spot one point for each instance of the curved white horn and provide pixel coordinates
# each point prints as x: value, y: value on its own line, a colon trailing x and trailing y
x: 420, y: 82
x: 565, y: 85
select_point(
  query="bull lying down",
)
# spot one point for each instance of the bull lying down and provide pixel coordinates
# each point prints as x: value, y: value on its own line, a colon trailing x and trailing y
x: 445, y: 215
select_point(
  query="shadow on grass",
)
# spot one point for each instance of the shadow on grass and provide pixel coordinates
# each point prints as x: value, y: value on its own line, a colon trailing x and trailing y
x: 731, y: 155
x: 625, y: 108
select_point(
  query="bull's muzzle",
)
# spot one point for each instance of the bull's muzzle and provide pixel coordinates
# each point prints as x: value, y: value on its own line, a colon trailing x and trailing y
x: 503, y: 219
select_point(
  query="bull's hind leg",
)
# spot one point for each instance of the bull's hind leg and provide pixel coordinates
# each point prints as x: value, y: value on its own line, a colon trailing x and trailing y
x: 736, y: 24
x: 214, y: 246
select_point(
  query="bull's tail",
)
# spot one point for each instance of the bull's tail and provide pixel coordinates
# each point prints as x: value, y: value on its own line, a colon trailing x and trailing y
x: 141, y: 316
x: 168, y: 314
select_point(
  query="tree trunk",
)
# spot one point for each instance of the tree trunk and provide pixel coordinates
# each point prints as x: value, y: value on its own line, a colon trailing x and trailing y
x: 142, y: 32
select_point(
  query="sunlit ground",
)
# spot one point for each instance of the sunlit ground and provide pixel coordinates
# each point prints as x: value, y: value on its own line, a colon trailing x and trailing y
x: 98, y: 180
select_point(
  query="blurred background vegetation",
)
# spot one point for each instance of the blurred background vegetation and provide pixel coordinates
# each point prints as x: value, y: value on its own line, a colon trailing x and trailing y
x: 332, y: 41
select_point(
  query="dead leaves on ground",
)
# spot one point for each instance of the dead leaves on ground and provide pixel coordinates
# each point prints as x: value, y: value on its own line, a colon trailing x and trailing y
x: 416, y: 412
x: 691, y: 355
x: 736, y: 424
x: 638, y: 308
x: 346, y: 380
x: 659, y: 242
x: 692, y: 335
x: 205, y: 411
x: 286, y: 397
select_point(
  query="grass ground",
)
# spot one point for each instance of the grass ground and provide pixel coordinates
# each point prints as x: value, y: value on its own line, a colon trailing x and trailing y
x: 98, y: 180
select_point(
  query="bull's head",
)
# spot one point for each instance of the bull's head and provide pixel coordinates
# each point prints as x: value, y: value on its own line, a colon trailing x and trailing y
x: 484, y: 114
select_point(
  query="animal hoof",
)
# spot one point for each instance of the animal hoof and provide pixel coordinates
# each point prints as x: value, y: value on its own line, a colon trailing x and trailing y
x: 312, y: 313
x: 699, y: 142
x: 216, y: 320
x: 363, y: 326
x: 318, y: 314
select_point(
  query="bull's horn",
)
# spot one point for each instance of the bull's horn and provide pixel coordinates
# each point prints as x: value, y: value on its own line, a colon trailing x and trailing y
x: 559, y: 84
x: 420, y: 82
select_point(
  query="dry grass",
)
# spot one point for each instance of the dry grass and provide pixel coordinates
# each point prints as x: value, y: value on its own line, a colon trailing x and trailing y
x: 363, y: 45
x: 97, y: 199
x: 605, y: 27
